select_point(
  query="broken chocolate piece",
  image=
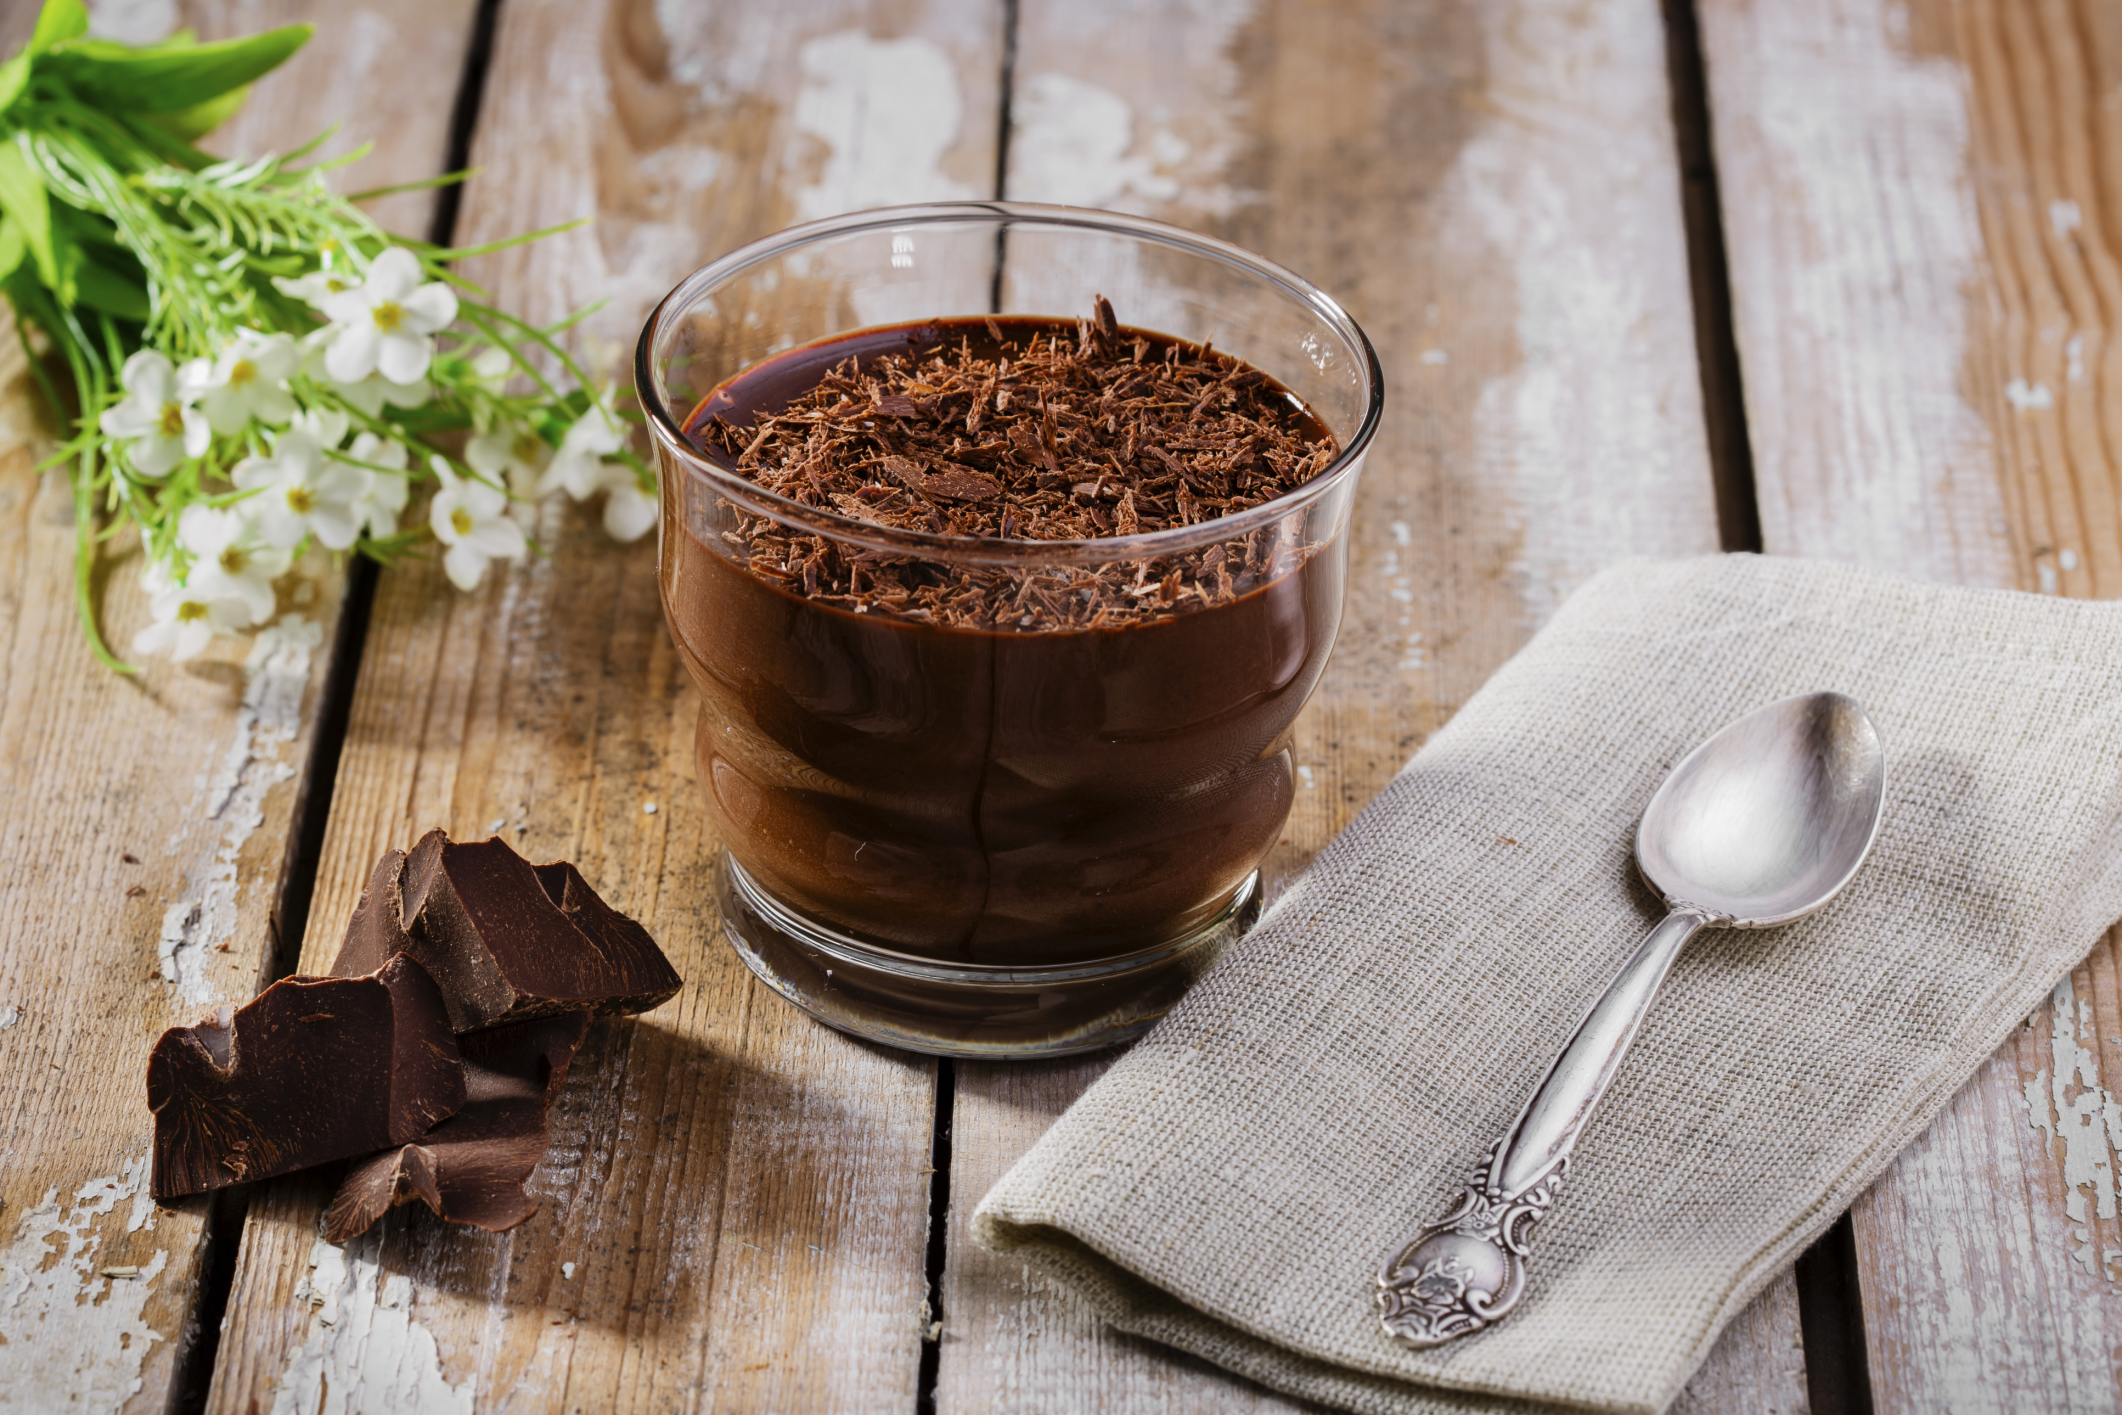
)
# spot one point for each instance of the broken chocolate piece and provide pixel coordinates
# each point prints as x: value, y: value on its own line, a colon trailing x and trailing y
x: 503, y: 943
x: 471, y: 1168
x: 626, y: 946
x: 377, y: 929
x: 313, y: 1069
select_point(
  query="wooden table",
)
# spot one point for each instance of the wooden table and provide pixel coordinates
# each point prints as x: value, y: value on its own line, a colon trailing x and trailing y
x: 1919, y: 208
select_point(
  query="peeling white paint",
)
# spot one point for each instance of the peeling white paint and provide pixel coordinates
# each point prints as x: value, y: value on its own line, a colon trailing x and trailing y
x: 2028, y: 397
x: 9, y: 1016
x: 199, y: 925
x: 364, y: 1350
x: 2067, y: 1102
x: 1074, y: 143
x: 2064, y: 216
x: 73, y: 1337
x: 1075, y: 139
x: 1583, y: 427
x: 132, y: 21
x: 1860, y: 314
x: 886, y: 112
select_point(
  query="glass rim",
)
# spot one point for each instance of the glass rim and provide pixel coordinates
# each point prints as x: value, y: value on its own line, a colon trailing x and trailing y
x: 752, y: 497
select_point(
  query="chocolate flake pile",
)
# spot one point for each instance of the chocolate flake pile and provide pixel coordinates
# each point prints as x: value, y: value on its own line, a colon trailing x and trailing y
x: 464, y: 988
x: 1112, y: 433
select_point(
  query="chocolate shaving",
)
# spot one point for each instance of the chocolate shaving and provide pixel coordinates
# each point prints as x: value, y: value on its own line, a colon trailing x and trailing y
x: 1033, y: 430
x: 313, y: 1069
x: 504, y: 941
x: 471, y: 1168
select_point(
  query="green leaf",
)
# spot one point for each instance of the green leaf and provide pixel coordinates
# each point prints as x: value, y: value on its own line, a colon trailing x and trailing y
x: 12, y: 248
x: 57, y: 22
x: 164, y: 143
x: 171, y: 78
x: 101, y: 288
x: 14, y: 76
x: 29, y: 209
x: 202, y: 118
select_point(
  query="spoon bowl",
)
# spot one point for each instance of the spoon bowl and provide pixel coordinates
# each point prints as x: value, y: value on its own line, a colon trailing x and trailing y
x: 1767, y: 821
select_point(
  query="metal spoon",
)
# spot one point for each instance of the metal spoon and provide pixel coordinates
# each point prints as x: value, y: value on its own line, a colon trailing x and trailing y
x: 1761, y: 824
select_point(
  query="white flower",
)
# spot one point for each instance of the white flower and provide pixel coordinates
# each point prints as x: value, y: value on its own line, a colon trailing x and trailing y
x: 157, y: 415
x: 492, y: 368
x: 368, y: 394
x: 378, y: 509
x: 230, y: 561
x: 629, y: 512
x: 303, y: 490
x: 471, y: 518
x: 186, y: 620
x: 579, y: 464
x: 327, y: 425
x: 316, y: 287
x: 516, y: 456
x: 248, y: 379
x: 387, y: 324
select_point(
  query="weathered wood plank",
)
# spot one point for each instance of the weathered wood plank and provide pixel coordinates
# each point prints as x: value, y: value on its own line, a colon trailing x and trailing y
x: 1926, y: 255
x: 735, y: 1208
x: 147, y: 822
x: 1491, y: 189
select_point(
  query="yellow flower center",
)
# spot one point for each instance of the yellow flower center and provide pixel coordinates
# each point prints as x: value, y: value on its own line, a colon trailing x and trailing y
x: 241, y: 373
x: 462, y: 520
x: 234, y: 560
x: 301, y: 500
x: 527, y: 445
x: 172, y: 420
x: 390, y: 316
x: 190, y: 610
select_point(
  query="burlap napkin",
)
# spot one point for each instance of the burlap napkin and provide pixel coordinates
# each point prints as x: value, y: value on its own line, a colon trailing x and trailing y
x: 1232, y: 1186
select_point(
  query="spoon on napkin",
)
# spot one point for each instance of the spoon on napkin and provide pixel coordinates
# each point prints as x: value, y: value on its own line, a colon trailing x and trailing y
x: 1761, y: 824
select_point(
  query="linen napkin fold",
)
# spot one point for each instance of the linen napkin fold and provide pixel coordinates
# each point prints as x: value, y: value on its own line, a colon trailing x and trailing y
x: 1232, y: 1186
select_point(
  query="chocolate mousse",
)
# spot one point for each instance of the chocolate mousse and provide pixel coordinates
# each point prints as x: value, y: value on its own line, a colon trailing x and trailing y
x: 972, y: 759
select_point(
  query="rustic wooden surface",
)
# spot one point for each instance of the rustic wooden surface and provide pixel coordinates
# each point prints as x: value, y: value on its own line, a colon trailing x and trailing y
x: 736, y: 1211
x: 1492, y: 193
x: 1924, y: 224
x: 1920, y: 205
x: 147, y: 810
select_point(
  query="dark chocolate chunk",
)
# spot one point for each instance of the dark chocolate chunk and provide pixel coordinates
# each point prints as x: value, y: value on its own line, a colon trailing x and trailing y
x: 377, y: 929
x: 502, y: 942
x: 471, y: 1168
x: 313, y: 1069
x: 625, y: 945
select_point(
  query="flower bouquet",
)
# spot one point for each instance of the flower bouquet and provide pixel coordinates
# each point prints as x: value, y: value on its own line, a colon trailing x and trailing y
x: 256, y: 366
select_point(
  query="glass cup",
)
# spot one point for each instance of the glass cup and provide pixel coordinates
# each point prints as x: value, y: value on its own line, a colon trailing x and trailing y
x: 1029, y: 837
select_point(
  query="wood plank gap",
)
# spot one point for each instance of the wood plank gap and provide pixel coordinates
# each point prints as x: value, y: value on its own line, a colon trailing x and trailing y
x: 313, y: 808
x: 1830, y: 1312
x: 932, y: 1314
x: 946, y: 1069
x: 1831, y: 1317
x: 1731, y: 455
x: 1003, y: 118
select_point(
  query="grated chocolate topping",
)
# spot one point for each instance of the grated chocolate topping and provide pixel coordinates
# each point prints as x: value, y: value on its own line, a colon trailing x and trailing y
x: 1026, y: 430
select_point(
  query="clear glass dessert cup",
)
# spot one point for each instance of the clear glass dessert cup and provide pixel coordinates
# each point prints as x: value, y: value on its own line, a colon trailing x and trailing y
x: 1029, y: 835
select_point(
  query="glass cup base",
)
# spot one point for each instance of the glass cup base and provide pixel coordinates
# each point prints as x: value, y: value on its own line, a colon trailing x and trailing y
x: 967, y: 1009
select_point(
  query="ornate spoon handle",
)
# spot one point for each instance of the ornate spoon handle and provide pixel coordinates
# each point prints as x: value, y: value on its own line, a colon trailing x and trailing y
x: 1467, y: 1269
